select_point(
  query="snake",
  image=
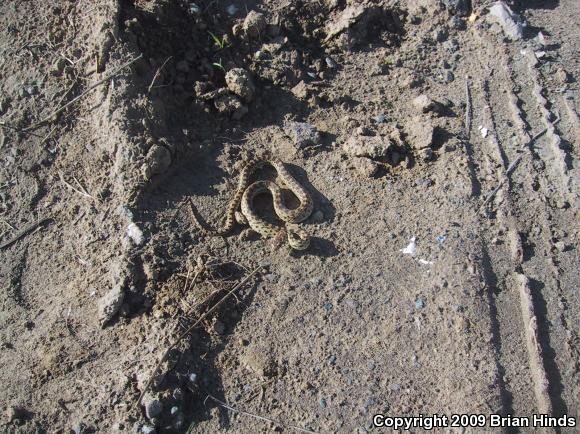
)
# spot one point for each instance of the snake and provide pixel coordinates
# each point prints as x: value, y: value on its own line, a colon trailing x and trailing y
x: 298, y: 238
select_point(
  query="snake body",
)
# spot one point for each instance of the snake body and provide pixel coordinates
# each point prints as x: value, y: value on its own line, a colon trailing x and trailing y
x: 244, y: 196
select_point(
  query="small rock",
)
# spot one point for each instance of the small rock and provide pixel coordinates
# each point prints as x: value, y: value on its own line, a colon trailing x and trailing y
x: 302, y: 134
x: 379, y: 119
x: 511, y: 23
x: 419, y: 303
x: 147, y: 429
x: 562, y: 76
x: 373, y: 147
x: 561, y: 246
x: 365, y: 167
x: 153, y: 408
x: 192, y: 378
x: 174, y: 410
x: 322, y: 403
x: 420, y: 132
x: 110, y: 303
x: 254, y: 24
x: 300, y: 91
x: 330, y: 63
x: 157, y: 161
x: 239, y: 82
x: 424, y: 104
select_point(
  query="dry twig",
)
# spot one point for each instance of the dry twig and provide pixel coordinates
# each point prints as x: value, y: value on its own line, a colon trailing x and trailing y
x: 157, y: 74
x: 513, y: 166
x: 24, y: 232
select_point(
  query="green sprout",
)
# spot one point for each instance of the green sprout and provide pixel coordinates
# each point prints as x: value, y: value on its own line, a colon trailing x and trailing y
x: 219, y: 65
x: 220, y: 43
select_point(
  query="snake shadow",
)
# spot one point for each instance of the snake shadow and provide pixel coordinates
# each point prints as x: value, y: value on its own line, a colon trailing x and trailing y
x: 318, y: 246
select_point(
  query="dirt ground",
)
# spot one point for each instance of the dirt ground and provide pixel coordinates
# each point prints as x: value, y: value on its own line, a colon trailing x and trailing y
x: 439, y: 145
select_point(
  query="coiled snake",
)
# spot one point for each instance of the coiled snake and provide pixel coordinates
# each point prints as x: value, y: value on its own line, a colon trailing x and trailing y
x: 298, y: 238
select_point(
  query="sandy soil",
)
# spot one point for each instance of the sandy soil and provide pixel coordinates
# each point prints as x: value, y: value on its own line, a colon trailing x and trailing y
x: 441, y: 156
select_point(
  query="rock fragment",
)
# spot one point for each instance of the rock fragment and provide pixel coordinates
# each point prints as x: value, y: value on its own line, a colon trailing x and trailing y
x: 424, y: 104
x: 254, y: 24
x: 153, y: 408
x: 239, y: 82
x: 302, y: 133
x: 157, y: 161
x: 373, y: 147
x: 110, y: 304
x: 231, y: 105
x: 419, y: 132
x: 511, y: 23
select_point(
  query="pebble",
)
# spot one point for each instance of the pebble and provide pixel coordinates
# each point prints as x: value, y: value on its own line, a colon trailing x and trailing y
x: 239, y: 82
x: 302, y: 134
x: 419, y: 303
x: 192, y: 378
x: 373, y: 147
x: 379, y: 119
x: 420, y: 132
x: 147, y: 429
x: 322, y: 403
x: 174, y: 410
x: 439, y: 35
x: 332, y: 360
x: 254, y: 24
x: 153, y: 408
x: 330, y: 63
x: 157, y: 161
x: 425, y: 104
x: 365, y: 167
x: 110, y: 303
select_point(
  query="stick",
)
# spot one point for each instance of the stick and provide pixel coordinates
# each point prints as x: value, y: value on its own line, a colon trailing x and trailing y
x: 75, y: 99
x: 513, y: 166
x: 157, y: 74
x: 189, y: 330
x: 24, y: 232
x: 264, y: 418
x: 467, y: 110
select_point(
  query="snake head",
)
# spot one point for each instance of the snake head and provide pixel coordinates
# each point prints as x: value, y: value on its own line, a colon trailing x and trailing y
x: 298, y: 238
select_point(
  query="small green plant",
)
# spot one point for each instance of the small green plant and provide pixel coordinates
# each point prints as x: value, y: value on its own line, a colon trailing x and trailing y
x: 220, y: 43
x: 219, y: 65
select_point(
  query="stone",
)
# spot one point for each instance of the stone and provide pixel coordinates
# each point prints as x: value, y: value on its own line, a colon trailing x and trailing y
x: 419, y: 303
x: 153, y: 408
x: 239, y: 82
x: 254, y: 24
x: 14, y: 413
x: 147, y: 429
x: 300, y: 91
x: 373, y: 147
x: 511, y: 23
x: 419, y: 132
x: 562, y: 76
x: 448, y: 76
x: 110, y: 303
x: 302, y: 133
x: 424, y: 104
x: 157, y: 161
x: 365, y: 167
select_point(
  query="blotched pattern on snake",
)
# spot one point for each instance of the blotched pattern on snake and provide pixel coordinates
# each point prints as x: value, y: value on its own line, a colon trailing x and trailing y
x: 298, y: 238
